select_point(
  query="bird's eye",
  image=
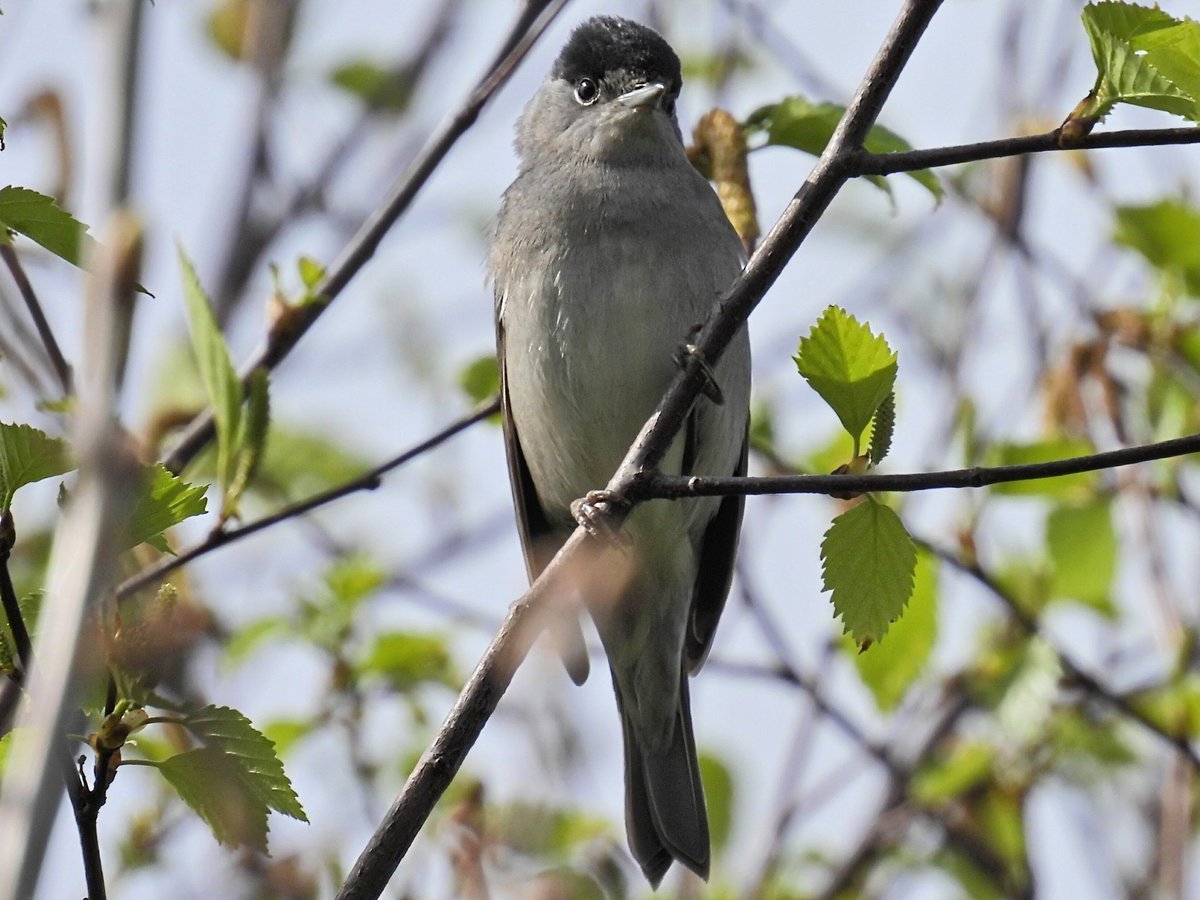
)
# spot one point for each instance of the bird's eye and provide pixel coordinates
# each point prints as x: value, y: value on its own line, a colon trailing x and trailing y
x: 586, y: 91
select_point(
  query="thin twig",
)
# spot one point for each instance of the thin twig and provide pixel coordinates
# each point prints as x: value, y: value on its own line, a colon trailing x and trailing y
x: 368, y: 481
x: 865, y: 163
x: 57, y: 360
x: 658, y: 486
x: 535, y: 16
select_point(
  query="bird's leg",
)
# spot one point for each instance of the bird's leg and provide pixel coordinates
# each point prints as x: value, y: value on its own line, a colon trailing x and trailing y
x: 586, y: 513
x: 711, y: 389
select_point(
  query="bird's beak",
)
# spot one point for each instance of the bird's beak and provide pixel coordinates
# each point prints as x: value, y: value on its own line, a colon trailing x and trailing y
x: 646, y: 95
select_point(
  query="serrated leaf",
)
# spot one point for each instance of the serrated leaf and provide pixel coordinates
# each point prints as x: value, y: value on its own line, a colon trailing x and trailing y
x: 890, y: 667
x: 1083, y: 554
x: 718, y: 783
x: 378, y: 87
x: 214, y: 785
x: 882, y: 427
x: 221, y: 382
x: 28, y: 455
x: 408, y: 660
x: 251, y: 440
x: 164, y: 501
x: 228, y: 731
x: 41, y: 220
x: 1142, y: 58
x: 868, y: 561
x: 851, y: 368
x: 1167, y: 234
x: 799, y: 123
x: 1040, y: 452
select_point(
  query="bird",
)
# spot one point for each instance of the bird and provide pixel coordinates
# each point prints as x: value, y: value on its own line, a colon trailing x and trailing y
x: 609, y: 251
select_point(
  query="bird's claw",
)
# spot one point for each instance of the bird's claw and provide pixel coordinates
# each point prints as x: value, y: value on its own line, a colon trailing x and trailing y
x: 587, y: 513
x: 711, y: 389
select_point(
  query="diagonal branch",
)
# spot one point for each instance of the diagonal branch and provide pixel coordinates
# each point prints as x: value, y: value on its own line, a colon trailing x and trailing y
x: 61, y: 368
x: 535, y: 16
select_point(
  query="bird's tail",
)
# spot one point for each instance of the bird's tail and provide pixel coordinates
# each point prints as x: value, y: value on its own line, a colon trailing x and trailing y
x: 665, y: 816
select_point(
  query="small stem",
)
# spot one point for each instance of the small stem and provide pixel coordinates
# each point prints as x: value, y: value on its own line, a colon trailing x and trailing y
x: 61, y: 368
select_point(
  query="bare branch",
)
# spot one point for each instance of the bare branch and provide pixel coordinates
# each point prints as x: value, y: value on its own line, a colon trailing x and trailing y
x: 655, y: 485
x: 61, y: 368
x: 535, y: 16
x: 864, y: 163
x: 368, y: 481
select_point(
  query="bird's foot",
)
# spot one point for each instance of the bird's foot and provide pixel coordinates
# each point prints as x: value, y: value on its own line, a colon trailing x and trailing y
x: 710, y: 388
x: 587, y: 513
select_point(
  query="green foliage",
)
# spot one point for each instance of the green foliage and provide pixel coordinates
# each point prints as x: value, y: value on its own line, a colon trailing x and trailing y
x: 221, y: 383
x: 40, y: 219
x: 948, y: 777
x: 380, y: 88
x: 1083, y: 553
x: 1079, y: 484
x: 882, y: 427
x: 889, y: 668
x: 541, y: 830
x: 407, y: 660
x: 719, y: 795
x: 853, y: 370
x: 216, y: 788
x: 28, y: 455
x: 163, y: 502
x: 252, y: 439
x: 1167, y: 234
x: 480, y: 378
x: 1173, y: 707
x: 798, y: 122
x: 868, y: 563
x: 299, y: 464
x: 311, y: 272
x: 1144, y: 57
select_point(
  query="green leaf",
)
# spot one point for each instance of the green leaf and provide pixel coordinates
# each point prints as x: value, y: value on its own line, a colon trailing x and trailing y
x: 1144, y: 57
x: 298, y: 464
x: 851, y: 368
x: 890, y: 667
x: 164, y: 501
x: 221, y: 382
x: 252, y: 439
x: 285, y: 733
x: 377, y: 87
x: 326, y: 620
x: 28, y: 455
x: 246, y: 640
x: 1083, y: 554
x: 228, y: 731
x: 408, y: 660
x: 545, y: 831
x: 882, y: 427
x: 967, y: 766
x: 480, y: 379
x: 868, y: 563
x: 1174, y: 707
x: 1167, y: 234
x: 41, y: 220
x: 799, y: 123
x: 719, y: 797
x: 1080, y: 483
x: 216, y: 787
x: 311, y: 272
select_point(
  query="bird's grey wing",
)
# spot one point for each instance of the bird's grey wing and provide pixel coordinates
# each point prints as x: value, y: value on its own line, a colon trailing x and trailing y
x: 538, y: 539
x: 718, y: 549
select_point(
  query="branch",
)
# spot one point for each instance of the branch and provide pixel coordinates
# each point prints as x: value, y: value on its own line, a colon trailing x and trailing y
x: 61, y: 368
x: 865, y: 163
x: 368, y: 481
x: 535, y: 16
x: 655, y: 485
x: 1074, y: 672
x: 480, y: 695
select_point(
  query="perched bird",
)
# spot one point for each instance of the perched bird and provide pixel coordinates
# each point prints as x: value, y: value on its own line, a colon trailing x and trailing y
x: 610, y: 249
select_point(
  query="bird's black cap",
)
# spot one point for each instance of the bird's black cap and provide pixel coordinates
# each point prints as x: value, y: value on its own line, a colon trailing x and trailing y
x: 606, y: 44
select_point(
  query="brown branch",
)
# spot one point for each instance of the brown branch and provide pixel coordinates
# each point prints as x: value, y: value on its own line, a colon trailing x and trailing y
x: 655, y: 485
x: 865, y: 163
x: 533, y: 19
x: 57, y: 360
x: 368, y: 481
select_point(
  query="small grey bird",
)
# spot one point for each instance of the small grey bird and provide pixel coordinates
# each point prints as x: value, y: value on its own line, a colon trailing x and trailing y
x: 609, y: 250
